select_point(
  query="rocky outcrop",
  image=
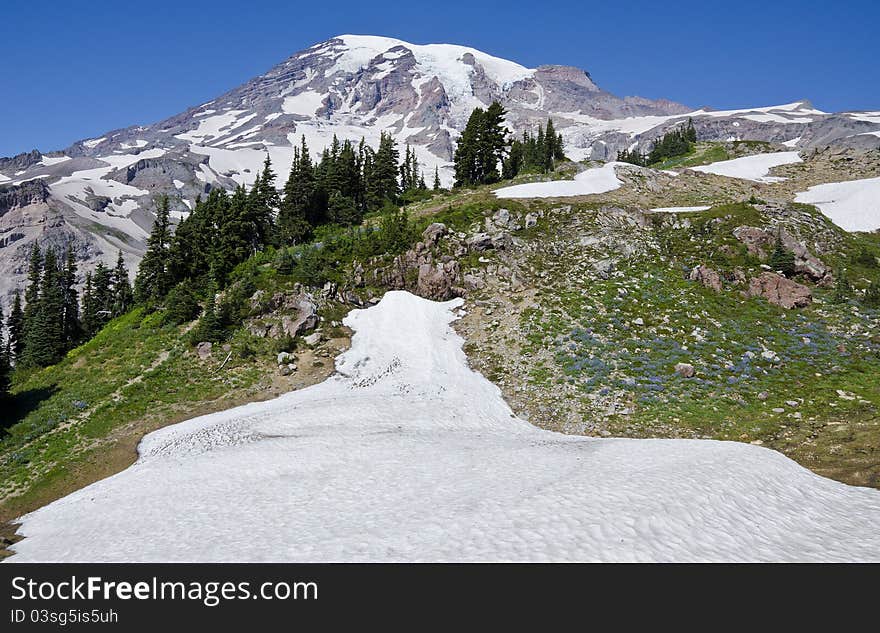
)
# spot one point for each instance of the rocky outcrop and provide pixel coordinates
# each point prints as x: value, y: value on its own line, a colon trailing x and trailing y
x: 282, y: 314
x: 708, y: 277
x: 438, y: 282
x: 760, y: 243
x: 22, y: 161
x: 16, y: 196
x: 780, y: 291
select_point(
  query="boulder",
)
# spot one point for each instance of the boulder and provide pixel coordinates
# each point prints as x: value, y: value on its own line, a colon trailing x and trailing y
x: 312, y: 339
x: 433, y: 233
x: 480, y: 242
x: 284, y: 358
x: 531, y: 220
x: 438, y: 282
x: 706, y: 276
x: 780, y: 291
x: 203, y: 350
x: 685, y: 370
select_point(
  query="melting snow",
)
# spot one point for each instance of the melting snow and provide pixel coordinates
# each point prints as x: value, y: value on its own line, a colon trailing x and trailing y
x: 595, y: 180
x: 853, y: 205
x: 679, y: 209
x: 755, y: 167
x: 406, y: 454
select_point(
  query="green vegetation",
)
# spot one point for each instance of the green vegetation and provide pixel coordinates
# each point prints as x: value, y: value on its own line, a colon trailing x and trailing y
x: 677, y: 142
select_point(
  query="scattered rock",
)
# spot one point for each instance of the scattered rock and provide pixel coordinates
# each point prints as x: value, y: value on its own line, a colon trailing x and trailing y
x: 312, y: 339
x: 780, y: 291
x: 685, y: 370
x: 203, y: 349
x: 708, y: 277
x: 438, y: 282
x: 433, y: 233
x: 284, y: 358
x: 531, y: 220
x: 480, y: 242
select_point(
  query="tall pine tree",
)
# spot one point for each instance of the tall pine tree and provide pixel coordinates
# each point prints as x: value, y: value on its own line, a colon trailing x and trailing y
x: 153, y: 279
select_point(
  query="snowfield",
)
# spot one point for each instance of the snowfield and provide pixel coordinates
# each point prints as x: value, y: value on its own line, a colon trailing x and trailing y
x: 853, y: 205
x: 595, y: 180
x: 755, y: 167
x: 408, y: 455
x: 679, y: 209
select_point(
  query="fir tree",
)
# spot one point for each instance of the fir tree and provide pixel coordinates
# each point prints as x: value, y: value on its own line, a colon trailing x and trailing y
x: 70, y: 316
x: 437, y: 185
x: 153, y: 279
x: 15, y: 327
x: 123, y: 297
x: 4, y: 362
x: 44, y: 338
x: 842, y: 287
x: 781, y: 260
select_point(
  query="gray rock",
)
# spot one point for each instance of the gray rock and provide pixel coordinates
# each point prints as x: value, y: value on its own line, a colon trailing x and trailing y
x: 203, y: 350
x: 312, y: 339
x: 685, y: 370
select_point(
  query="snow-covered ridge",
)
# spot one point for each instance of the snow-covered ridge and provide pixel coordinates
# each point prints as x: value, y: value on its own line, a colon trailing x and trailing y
x: 408, y: 455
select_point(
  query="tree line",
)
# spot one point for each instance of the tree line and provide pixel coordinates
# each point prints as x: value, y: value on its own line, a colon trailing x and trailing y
x: 484, y: 145
x: 677, y: 142
x: 52, y: 319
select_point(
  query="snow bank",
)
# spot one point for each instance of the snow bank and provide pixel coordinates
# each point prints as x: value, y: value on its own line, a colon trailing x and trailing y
x: 408, y: 455
x: 596, y: 180
x: 678, y: 209
x: 755, y: 167
x: 853, y: 205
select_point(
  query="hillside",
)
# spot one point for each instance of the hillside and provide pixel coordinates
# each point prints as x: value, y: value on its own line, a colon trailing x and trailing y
x: 640, y: 311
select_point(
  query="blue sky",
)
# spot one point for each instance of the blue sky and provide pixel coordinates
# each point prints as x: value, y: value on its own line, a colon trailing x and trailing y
x: 74, y: 70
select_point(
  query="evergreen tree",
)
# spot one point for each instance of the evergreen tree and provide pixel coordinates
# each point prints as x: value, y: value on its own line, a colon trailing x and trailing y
x: 4, y: 362
x: 293, y: 217
x: 209, y: 327
x: 384, y: 188
x: 481, y: 147
x: 842, y: 287
x: 437, y: 185
x: 70, y: 321
x: 781, y: 259
x: 153, y: 279
x: 872, y: 295
x: 44, y: 338
x: 15, y: 327
x: 123, y: 297
x: 88, y: 309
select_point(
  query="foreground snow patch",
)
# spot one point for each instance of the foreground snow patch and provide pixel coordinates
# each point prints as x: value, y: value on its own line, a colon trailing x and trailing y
x: 596, y: 180
x: 853, y: 205
x: 755, y: 167
x: 408, y: 455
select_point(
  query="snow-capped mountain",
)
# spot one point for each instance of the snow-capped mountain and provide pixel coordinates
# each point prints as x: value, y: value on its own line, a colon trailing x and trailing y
x: 98, y: 194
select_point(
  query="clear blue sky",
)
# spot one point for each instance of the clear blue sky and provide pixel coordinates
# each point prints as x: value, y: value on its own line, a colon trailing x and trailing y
x: 72, y: 70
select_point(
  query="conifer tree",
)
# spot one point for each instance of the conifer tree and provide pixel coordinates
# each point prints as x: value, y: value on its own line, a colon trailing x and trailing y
x: 70, y: 317
x: 437, y: 186
x: 88, y: 309
x: 153, y: 279
x: 5, y: 362
x: 15, y: 327
x: 123, y: 297
x: 44, y: 336
x: 782, y: 259
x: 842, y: 287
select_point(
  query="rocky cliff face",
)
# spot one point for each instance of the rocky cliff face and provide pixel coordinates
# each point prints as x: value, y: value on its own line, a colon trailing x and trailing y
x: 104, y: 189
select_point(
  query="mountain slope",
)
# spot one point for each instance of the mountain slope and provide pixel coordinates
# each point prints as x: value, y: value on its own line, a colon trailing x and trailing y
x: 406, y: 454
x: 100, y: 192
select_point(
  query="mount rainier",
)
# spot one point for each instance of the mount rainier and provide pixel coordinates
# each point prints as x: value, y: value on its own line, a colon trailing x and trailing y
x: 98, y: 194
